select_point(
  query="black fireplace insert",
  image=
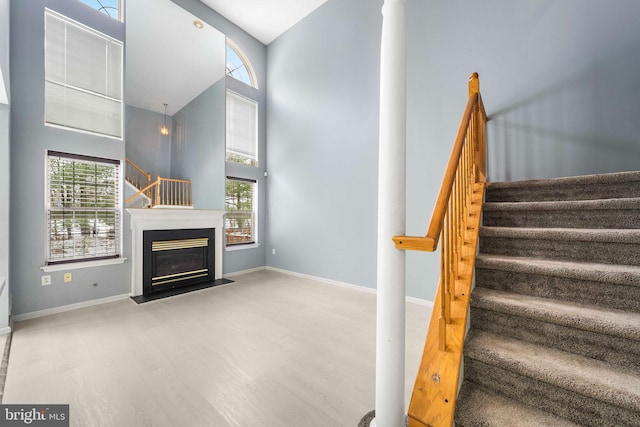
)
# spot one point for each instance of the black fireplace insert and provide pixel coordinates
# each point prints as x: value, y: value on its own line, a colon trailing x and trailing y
x: 177, y: 258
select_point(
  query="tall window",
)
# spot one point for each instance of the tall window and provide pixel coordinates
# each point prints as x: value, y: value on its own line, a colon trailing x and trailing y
x: 83, y: 208
x: 83, y: 78
x: 238, y: 66
x: 242, y: 129
x: 112, y: 8
x: 240, y: 204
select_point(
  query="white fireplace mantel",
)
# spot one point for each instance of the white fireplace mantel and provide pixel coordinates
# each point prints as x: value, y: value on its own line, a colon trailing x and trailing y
x: 169, y: 219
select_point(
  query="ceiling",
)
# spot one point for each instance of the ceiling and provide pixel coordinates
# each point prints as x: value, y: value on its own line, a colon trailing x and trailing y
x: 159, y: 68
x: 265, y: 20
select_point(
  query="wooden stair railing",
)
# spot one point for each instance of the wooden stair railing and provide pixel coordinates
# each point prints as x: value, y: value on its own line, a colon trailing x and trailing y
x: 136, y: 176
x: 161, y: 192
x: 455, y: 223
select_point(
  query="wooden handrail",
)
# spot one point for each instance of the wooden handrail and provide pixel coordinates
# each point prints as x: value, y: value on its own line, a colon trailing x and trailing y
x: 165, y: 192
x: 136, y: 175
x: 429, y: 242
x: 454, y: 225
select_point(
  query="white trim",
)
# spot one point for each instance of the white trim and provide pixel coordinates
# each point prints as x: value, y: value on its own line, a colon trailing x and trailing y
x: 239, y: 247
x: 420, y: 301
x: 324, y: 280
x: 4, y: 98
x: 247, y: 271
x: 6, y: 330
x: 69, y: 307
x: 247, y: 64
x: 82, y: 264
x: 412, y: 300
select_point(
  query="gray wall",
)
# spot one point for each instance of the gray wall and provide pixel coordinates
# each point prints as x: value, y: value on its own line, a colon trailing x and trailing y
x: 4, y: 212
x: 4, y: 164
x: 543, y: 65
x: 322, y: 121
x: 243, y: 259
x: 197, y: 147
x: 29, y: 141
x: 144, y: 144
x: 4, y: 42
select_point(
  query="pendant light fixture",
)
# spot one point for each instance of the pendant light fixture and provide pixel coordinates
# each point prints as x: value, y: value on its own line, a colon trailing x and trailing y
x: 164, y: 130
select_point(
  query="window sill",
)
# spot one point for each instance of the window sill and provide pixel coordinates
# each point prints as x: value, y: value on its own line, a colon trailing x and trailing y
x: 241, y: 247
x: 83, y: 264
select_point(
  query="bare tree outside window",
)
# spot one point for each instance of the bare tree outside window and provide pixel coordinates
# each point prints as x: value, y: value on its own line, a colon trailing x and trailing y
x: 240, y: 206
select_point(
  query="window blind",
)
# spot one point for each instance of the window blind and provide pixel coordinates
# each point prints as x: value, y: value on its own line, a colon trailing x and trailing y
x: 83, y: 77
x: 83, y: 208
x: 242, y: 127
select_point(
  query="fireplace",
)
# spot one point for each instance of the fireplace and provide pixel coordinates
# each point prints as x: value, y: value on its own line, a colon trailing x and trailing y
x: 175, y: 258
x: 142, y: 220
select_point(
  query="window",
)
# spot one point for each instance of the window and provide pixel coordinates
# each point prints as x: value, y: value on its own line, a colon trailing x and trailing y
x: 83, y: 78
x: 242, y: 129
x: 112, y: 8
x: 83, y: 208
x: 240, y: 204
x: 238, y: 66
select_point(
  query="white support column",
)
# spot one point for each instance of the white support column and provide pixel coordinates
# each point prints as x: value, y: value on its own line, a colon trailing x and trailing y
x: 390, y: 345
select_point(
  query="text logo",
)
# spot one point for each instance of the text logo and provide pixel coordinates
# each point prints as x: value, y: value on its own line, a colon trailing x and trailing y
x: 34, y: 415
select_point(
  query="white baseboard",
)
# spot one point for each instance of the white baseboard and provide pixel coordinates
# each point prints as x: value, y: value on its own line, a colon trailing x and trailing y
x: 323, y: 280
x: 250, y: 270
x: 6, y: 330
x: 360, y: 288
x: 64, y: 308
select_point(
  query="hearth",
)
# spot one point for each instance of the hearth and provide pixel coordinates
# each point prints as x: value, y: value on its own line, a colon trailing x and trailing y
x: 177, y: 258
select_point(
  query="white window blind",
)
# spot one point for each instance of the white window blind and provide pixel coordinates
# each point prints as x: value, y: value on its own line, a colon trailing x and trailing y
x: 242, y: 129
x: 83, y: 208
x: 83, y: 77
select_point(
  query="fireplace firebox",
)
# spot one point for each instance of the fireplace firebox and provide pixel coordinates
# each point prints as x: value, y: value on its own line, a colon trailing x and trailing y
x: 176, y: 258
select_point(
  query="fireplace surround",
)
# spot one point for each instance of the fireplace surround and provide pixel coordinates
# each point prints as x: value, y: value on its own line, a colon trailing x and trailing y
x: 171, y: 219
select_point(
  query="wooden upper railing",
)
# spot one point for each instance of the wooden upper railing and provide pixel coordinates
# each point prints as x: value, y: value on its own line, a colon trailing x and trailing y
x: 455, y: 223
x: 161, y: 192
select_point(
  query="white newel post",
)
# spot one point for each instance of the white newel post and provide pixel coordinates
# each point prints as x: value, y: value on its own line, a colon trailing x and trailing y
x: 390, y: 342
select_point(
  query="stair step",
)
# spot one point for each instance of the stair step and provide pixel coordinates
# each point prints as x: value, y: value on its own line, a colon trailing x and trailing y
x: 600, y: 186
x: 628, y: 275
x: 607, y: 246
x: 580, y: 316
x: 602, y: 213
x: 605, y: 285
x: 609, y: 335
x: 479, y: 407
x: 584, y: 390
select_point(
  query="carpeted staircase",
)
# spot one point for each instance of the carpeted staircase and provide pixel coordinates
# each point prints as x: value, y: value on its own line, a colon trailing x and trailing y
x: 555, y: 314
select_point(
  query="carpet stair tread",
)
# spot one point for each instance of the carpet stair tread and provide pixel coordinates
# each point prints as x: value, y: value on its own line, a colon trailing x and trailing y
x: 612, y: 322
x: 599, y: 186
x: 595, y: 379
x: 562, y: 205
x: 616, y: 177
x: 608, y: 273
x: 631, y: 236
x: 482, y: 408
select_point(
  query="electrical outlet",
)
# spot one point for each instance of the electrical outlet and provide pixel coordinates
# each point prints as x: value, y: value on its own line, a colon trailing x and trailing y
x: 273, y: 251
x: 46, y: 280
x: 68, y: 277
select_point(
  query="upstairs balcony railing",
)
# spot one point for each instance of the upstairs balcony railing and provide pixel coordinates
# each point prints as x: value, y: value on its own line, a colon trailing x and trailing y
x: 162, y: 192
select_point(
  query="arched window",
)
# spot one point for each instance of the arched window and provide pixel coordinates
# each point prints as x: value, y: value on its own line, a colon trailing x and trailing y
x: 112, y: 8
x: 238, y: 66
